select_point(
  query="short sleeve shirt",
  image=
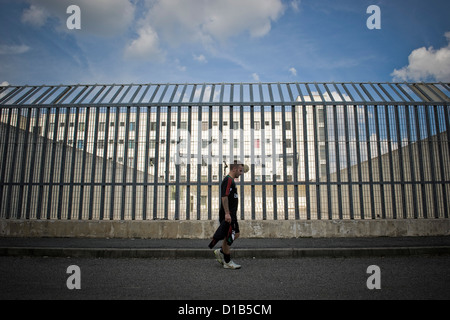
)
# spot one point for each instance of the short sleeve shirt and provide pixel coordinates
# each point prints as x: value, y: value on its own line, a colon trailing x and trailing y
x: 228, y: 189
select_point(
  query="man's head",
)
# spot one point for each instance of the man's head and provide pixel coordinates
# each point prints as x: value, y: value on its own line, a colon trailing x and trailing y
x: 236, y: 169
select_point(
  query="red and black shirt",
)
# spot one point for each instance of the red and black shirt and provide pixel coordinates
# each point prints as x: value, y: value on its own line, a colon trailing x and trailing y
x: 228, y: 189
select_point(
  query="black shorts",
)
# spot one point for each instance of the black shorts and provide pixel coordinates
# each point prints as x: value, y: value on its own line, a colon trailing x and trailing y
x: 234, y: 223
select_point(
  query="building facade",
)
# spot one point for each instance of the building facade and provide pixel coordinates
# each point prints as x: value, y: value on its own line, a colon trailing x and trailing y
x: 143, y: 152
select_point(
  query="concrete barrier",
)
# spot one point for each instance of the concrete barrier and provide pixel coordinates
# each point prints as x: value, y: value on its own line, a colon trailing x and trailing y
x: 204, y: 229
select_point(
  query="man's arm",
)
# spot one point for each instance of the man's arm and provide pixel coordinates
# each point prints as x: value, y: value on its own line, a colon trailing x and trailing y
x: 226, y: 209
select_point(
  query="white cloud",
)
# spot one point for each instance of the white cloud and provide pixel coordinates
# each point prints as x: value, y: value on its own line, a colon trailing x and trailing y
x: 425, y: 64
x: 180, y: 21
x: 202, y: 22
x: 200, y: 58
x: 99, y: 17
x: 35, y: 15
x: 13, y: 49
x: 255, y: 77
x: 145, y: 47
x: 293, y: 71
x: 295, y: 5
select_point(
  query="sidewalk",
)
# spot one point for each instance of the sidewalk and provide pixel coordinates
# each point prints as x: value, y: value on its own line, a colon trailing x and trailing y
x: 242, y: 248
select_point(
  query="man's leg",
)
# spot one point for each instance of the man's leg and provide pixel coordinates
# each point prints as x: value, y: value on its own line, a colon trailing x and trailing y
x: 226, y: 250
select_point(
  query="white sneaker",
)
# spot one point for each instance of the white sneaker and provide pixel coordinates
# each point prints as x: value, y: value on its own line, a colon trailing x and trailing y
x: 231, y: 265
x: 219, y: 256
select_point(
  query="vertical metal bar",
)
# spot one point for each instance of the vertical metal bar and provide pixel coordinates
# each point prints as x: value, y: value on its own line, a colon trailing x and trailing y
x: 369, y: 161
x: 94, y: 165
x: 401, y: 160
x: 114, y: 164
x: 135, y: 160
x: 43, y: 166
x: 274, y: 154
x: 199, y: 158
x: 241, y: 138
x: 359, y: 161
x: 306, y: 160
x: 294, y: 155
x: 35, y: 137
x: 274, y: 158
x: 439, y: 131
x: 156, y: 165
x: 231, y: 125
x: 327, y: 158
x: 338, y: 161
x: 220, y: 143
x: 63, y: 163
x: 146, y: 162
x: 380, y: 162
x: 422, y: 172
x: 177, y: 167
x: 189, y: 159
x: 315, y: 110
x: 252, y: 157
x: 72, y: 170
x: 20, y: 203
x: 409, y: 113
x: 83, y: 166
x: 125, y: 164
x: 431, y: 153
x: 105, y: 164
x: 14, y: 145
x: 283, y: 132
x: 349, y: 167
x: 52, y: 165
x: 210, y: 158
x: 167, y: 173
x: 263, y: 155
x: 447, y: 126
x: 391, y: 162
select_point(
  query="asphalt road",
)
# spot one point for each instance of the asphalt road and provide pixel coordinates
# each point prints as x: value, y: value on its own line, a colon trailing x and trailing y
x: 415, y: 277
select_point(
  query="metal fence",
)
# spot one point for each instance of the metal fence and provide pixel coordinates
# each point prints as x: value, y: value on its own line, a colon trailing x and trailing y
x: 160, y: 151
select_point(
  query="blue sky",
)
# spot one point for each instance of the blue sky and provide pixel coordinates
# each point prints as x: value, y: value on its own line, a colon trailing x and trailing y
x: 160, y: 41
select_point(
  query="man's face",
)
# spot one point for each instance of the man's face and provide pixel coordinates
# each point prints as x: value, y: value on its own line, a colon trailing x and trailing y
x: 238, y: 171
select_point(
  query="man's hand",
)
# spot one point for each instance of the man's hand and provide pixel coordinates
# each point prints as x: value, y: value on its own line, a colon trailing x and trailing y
x: 228, y: 217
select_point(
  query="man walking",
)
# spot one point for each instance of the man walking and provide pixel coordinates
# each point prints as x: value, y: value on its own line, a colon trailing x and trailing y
x: 228, y: 230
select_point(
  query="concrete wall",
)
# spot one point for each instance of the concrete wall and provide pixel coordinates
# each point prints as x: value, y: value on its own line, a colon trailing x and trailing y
x: 205, y: 229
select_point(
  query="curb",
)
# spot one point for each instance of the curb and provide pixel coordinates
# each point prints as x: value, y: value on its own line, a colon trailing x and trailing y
x: 270, y: 253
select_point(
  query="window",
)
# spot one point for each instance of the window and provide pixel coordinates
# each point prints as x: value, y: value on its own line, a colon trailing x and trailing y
x: 288, y: 143
x: 287, y: 125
